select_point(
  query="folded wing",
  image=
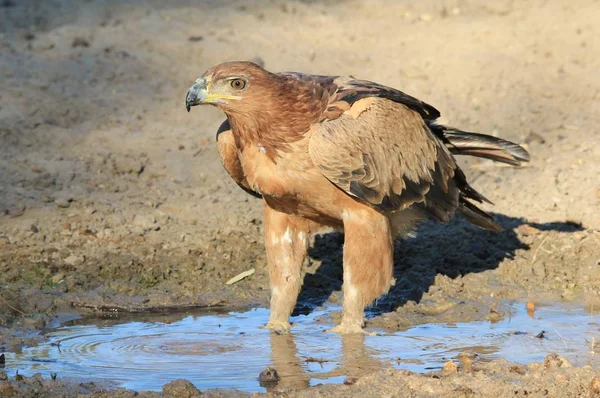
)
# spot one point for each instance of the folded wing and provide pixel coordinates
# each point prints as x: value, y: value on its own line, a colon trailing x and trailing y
x: 383, y: 153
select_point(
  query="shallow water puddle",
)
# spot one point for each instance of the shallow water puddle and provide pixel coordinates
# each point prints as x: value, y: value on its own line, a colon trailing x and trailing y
x: 230, y: 350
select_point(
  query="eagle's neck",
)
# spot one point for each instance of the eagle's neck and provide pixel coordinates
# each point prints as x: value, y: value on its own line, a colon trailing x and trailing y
x: 282, y: 118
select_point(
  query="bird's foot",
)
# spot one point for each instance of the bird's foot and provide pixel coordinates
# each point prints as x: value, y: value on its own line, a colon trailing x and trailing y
x: 350, y: 328
x: 279, y: 327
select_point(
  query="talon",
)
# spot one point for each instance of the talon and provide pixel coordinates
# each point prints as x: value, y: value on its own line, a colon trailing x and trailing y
x: 278, y: 327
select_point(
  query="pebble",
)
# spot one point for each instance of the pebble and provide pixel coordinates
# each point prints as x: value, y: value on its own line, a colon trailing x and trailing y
x: 527, y: 230
x: 56, y: 279
x: 466, y: 360
x: 449, y: 368
x: 554, y: 361
x: 145, y: 221
x: 80, y: 42
x: 268, y: 376
x: 74, y: 260
x: 181, y: 388
x: 350, y: 380
x: 63, y: 203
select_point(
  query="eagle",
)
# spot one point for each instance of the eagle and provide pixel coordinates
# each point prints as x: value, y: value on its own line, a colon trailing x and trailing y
x: 343, y: 153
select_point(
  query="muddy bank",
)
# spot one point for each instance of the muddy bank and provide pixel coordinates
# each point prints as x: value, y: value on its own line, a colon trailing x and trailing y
x: 553, y: 377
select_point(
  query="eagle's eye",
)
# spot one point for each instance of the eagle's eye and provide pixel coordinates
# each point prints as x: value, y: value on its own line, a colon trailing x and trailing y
x: 238, y: 84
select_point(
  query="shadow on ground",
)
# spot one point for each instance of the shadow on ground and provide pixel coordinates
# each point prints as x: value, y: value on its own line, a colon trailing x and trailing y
x: 453, y: 250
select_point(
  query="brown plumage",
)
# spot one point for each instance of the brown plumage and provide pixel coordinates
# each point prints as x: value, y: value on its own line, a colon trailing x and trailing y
x: 339, y: 152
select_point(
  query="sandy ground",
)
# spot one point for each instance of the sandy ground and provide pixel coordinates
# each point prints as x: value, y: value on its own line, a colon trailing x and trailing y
x: 112, y: 197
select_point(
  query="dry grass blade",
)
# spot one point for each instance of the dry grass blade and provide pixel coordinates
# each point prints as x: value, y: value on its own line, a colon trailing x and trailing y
x: 240, y: 276
x: 11, y: 307
x: 538, y: 249
x: 563, y: 340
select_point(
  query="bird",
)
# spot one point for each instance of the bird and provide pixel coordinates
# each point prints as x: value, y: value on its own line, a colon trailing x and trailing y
x: 346, y: 154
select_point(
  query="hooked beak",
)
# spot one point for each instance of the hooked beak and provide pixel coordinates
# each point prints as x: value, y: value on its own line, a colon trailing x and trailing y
x: 196, y: 94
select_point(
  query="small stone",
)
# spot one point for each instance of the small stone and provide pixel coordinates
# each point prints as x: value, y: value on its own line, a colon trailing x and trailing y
x: 34, y: 228
x: 268, y: 377
x: 56, y: 279
x: 3, y: 376
x: 463, y: 391
x: 527, y: 230
x: 195, y: 38
x: 74, y: 260
x: 145, y: 221
x: 88, y: 386
x: 17, y: 211
x: 449, y: 368
x: 80, y: 42
x: 467, y: 363
x: 63, y: 203
x: 350, y: 380
x: 554, y: 361
x: 181, y: 388
x: 534, y: 138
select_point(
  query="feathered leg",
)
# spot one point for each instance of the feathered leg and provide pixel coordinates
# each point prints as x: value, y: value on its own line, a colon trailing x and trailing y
x: 368, y: 264
x: 286, y: 242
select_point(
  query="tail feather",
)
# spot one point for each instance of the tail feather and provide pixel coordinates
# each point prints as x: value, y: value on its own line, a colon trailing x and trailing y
x: 481, y: 145
x: 477, y: 216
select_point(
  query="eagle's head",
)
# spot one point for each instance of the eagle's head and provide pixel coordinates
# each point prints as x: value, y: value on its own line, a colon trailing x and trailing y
x: 230, y: 86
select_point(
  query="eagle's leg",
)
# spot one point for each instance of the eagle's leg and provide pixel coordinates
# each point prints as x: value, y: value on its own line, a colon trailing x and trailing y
x: 286, y: 242
x: 368, y: 264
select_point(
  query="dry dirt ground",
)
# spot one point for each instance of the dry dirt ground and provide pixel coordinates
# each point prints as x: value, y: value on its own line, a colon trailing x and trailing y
x: 112, y: 197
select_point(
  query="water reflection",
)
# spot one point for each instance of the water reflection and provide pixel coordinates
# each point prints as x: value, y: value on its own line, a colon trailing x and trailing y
x: 297, y: 371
